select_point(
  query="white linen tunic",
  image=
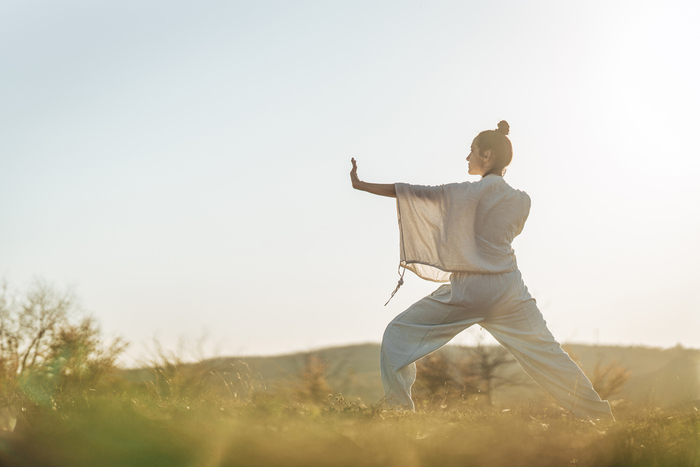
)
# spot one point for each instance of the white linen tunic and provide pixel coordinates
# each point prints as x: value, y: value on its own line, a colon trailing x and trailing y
x: 462, y: 232
x: 460, y: 227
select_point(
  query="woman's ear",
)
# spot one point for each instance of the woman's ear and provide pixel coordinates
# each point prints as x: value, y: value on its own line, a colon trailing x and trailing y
x: 486, y: 155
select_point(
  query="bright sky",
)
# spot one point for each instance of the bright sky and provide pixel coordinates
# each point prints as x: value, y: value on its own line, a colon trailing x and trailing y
x: 185, y: 165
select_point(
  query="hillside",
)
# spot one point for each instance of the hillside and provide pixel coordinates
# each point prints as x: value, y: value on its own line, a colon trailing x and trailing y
x: 659, y: 377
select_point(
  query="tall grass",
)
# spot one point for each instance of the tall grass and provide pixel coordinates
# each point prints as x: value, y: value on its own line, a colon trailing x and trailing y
x: 133, y: 427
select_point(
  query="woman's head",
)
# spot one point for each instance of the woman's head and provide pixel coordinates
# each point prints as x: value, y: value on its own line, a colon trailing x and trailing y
x: 491, y: 151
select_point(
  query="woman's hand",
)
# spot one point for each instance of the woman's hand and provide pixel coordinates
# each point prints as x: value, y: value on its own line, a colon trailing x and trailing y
x: 353, y: 175
x: 381, y: 189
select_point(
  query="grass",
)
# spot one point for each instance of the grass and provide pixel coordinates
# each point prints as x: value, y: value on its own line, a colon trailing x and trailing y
x: 64, y: 402
x: 123, y: 430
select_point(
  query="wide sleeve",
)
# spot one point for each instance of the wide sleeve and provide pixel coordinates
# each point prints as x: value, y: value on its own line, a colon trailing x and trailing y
x: 436, y: 228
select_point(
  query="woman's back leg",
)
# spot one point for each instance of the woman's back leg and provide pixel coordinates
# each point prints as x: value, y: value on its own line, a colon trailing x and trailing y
x: 423, y: 328
x: 523, y: 331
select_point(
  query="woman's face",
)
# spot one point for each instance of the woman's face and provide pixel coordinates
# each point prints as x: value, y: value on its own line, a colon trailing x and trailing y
x: 478, y: 161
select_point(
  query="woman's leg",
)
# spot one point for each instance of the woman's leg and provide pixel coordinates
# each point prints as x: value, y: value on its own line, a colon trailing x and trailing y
x: 520, y: 327
x: 423, y: 328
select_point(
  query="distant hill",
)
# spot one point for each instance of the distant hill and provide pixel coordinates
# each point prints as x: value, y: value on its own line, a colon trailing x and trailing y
x: 659, y: 377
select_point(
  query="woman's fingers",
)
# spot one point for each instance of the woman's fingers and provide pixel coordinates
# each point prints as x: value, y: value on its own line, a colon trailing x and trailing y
x: 353, y: 172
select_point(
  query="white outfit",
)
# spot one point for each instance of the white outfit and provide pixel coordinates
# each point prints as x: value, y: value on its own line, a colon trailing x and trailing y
x: 462, y: 232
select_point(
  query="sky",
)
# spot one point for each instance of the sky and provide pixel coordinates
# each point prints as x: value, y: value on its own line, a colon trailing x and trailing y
x: 184, y: 165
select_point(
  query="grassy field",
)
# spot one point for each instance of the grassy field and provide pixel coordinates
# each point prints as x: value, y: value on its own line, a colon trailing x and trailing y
x: 64, y: 401
x: 131, y: 430
x: 286, y: 411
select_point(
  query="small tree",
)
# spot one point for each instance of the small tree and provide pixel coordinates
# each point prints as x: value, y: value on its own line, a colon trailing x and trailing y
x: 313, y: 386
x: 470, y: 370
x: 437, y: 378
x: 609, y: 379
x: 43, y: 349
x: 78, y: 358
x: 485, y: 366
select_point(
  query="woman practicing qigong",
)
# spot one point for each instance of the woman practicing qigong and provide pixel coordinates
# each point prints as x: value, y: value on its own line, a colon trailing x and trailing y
x: 461, y: 233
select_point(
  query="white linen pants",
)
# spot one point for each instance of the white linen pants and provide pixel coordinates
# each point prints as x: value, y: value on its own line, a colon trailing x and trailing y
x: 501, y: 304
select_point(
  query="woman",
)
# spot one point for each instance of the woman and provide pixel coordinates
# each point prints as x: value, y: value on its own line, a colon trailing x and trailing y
x: 462, y: 233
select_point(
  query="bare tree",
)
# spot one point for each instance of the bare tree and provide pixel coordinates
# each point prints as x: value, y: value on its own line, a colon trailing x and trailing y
x: 485, y: 366
x: 41, y: 311
x: 313, y: 386
x: 42, y: 345
x: 9, y: 340
x: 480, y: 369
x: 609, y: 379
x: 438, y: 379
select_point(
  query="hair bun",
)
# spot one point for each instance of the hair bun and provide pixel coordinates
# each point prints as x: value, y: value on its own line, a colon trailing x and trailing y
x: 503, y: 128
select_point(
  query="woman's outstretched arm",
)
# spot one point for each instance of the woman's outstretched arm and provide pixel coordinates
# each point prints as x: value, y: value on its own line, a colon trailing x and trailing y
x: 381, y: 189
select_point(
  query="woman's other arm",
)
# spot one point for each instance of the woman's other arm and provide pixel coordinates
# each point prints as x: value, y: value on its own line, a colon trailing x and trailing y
x: 381, y: 189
